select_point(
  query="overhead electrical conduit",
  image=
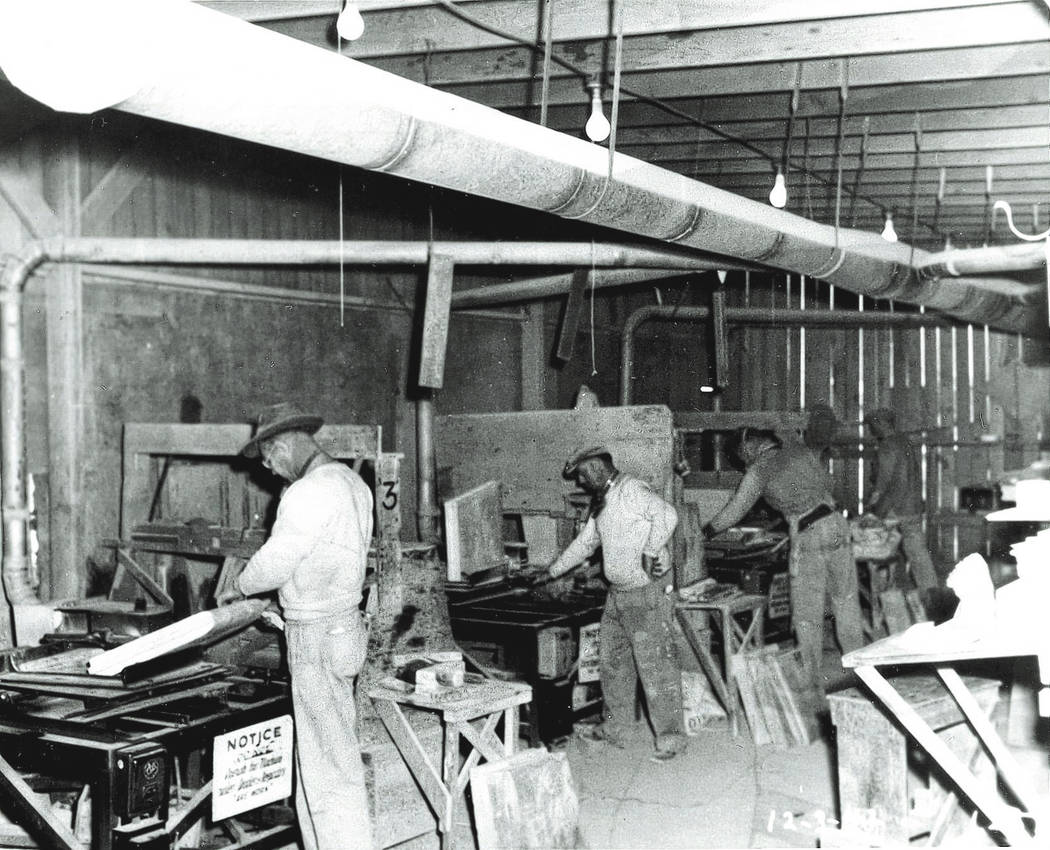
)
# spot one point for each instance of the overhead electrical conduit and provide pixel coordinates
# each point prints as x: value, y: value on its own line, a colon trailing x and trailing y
x: 253, y: 84
x: 777, y: 317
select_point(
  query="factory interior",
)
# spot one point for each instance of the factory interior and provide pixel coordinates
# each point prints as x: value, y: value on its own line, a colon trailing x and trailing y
x: 673, y: 381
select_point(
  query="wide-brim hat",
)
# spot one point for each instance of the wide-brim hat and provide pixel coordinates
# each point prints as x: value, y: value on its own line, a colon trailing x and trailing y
x: 278, y: 419
x: 584, y: 454
x: 1031, y: 503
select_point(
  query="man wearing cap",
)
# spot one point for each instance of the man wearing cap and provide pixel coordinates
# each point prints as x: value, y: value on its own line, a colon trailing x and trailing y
x: 897, y: 493
x: 633, y: 525
x: 791, y: 479
x: 315, y: 559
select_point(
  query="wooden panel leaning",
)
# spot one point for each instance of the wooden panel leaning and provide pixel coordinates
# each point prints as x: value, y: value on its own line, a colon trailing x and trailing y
x: 873, y: 771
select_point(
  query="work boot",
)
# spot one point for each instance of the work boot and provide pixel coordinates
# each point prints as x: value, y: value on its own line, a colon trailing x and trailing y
x: 668, y: 746
x: 606, y: 733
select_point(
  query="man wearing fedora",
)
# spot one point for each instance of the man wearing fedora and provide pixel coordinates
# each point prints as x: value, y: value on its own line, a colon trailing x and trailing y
x: 315, y: 559
x: 633, y: 525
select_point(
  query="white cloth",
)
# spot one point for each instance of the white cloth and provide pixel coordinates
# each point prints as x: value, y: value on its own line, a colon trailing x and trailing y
x: 317, y: 552
x: 633, y: 521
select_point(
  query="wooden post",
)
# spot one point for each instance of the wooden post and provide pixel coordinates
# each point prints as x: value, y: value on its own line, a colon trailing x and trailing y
x: 435, y: 322
x: 65, y: 379
x: 571, y: 318
x: 533, y: 359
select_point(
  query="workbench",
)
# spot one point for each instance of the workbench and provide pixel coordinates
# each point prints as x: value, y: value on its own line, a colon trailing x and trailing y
x: 468, y: 713
x: 942, y: 647
x: 739, y: 620
x: 506, y: 626
x: 125, y: 741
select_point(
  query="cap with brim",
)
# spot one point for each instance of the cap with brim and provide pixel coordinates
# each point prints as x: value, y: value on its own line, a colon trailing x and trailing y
x: 584, y: 454
x: 1032, y: 497
x: 279, y: 419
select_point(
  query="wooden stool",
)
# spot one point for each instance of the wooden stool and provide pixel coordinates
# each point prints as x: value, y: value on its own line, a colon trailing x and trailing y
x: 735, y: 638
x: 469, y: 713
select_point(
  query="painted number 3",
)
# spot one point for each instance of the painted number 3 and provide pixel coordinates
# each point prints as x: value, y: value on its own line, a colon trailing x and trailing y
x: 389, y: 501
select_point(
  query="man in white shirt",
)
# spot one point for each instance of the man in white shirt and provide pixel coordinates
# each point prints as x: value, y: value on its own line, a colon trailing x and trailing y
x: 315, y: 559
x: 633, y: 525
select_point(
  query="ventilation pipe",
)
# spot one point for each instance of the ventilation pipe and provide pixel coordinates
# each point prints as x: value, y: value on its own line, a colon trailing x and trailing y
x: 758, y: 316
x: 253, y: 84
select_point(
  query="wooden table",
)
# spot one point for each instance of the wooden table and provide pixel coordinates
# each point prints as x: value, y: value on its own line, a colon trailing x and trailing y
x: 470, y: 713
x: 940, y: 647
x: 735, y: 638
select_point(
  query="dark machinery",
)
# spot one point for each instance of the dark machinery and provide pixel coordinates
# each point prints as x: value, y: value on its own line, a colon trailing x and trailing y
x: 127, y: 743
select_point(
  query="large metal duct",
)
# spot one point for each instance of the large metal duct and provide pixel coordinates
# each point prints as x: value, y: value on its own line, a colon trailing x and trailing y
x: 178, y: 62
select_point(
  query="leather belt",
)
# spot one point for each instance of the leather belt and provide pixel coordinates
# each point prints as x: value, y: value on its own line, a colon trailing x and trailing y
x: 818, y: 513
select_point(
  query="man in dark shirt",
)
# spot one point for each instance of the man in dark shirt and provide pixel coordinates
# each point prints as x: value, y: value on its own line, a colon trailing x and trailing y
x: 791, y: 479
x: 897, y: 494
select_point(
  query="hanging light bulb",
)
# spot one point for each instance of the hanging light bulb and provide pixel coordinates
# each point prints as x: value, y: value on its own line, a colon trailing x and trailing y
x: 888, y: 233
x: 778, y: 195
x: 597, y: 127
x: 350, y: 25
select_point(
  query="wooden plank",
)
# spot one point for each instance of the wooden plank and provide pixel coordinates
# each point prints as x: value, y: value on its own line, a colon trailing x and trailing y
x: 226, y: 440
x: 913, y: 599
x: 969, y: 63
x: 533, y: 359
x: 403, y: 30
x: 112, y: 191
x: 158, y: 593
x: 811, y: 42
x: 894, y: 610
x: 435, y: 321
x: 527, y: 800
x: 66, y: 381
x: 25, y: 199
x: 760, y: 733
x: 786, y: 700
x: 41, y: 819
x: 474, y: 531
x: 415, y: 756
x: 570, y: 319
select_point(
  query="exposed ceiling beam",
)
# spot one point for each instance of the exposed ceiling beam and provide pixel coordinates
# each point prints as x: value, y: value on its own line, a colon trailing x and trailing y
x: 427, y: 27
x: 811, y: 43
x: 963, y: 64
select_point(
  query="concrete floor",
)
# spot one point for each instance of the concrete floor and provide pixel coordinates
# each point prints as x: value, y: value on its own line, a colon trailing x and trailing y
x: 725, y: 792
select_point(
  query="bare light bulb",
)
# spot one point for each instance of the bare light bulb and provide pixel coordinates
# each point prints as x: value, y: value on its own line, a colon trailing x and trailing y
x: 350, y: 25
x: 597, y: 127
x: 888, y: 233
x: 778, y: 195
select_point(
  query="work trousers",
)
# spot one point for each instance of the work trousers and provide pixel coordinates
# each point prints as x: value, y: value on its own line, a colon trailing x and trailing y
x: 331, y: 801
x: 913, y: 544
x: 637, y: 643
x: 822, y: 564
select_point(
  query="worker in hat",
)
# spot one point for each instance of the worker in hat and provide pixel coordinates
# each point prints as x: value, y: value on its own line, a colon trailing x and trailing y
x: 897, y: 492
x: 315, y: 559
x: 632, y: 525
x: 792, y: 481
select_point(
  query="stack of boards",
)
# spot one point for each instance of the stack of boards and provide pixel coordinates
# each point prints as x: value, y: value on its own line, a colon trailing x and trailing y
x: 779, y: 696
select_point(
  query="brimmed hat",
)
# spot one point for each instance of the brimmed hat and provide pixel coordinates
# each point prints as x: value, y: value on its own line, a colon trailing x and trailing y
x: 277, y: 419
x: 584, y: 454
x: 1031, y: 503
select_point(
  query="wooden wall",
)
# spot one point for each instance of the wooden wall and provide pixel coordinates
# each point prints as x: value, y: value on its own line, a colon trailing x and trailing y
x: 964, y: 391
x: 141, y: 347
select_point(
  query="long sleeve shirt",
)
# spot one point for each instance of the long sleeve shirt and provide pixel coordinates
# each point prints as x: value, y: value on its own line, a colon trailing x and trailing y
x: 632, y: 522
x: 790, y: 478
x: 897, y: 476
x: 316, y: 555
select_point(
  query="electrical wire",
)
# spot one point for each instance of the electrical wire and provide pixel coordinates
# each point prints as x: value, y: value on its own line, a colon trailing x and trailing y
x: 641, y: 97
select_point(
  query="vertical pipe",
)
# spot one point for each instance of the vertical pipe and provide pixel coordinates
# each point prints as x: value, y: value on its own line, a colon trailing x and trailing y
x: 12, y: 435
x: 426, y: 503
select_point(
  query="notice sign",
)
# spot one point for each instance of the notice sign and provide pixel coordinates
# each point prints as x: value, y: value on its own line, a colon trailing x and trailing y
x: 589, y: 660
x: 251, y: 767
